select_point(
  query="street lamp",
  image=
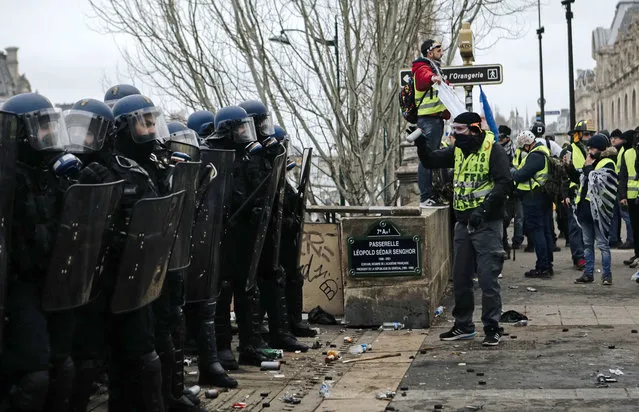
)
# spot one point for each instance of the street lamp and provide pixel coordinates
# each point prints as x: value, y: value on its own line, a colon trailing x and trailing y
x: 542, y: 100
x: 571, y: 78
x: 282, y: 38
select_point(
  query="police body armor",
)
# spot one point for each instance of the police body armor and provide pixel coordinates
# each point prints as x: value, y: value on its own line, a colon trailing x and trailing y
x: 87, y: 213
x: 267, y: 189
x: 184, y: 178
x: 145, y: 259
x: 209, y: 226
x: 8, y: 154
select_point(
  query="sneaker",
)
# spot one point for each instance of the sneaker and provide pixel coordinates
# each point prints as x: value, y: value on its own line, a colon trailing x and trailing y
x: 585, y: 278
x: 540, y: 274
x: 630, y: 261
x: 580, y: 264
x: 429, y: 203
x: 634, y: 263
x: 456, y: 334
x: 606, y: 280
x: 627, y: 245
x: 492, y: 338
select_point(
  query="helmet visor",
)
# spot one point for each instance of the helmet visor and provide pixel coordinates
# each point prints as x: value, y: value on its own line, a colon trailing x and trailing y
x: 265, y: 126
x: 87, y: 131
x: 243, y: 131
x: 46, y: 130
x: 184, y: 136
x: 147, y: 125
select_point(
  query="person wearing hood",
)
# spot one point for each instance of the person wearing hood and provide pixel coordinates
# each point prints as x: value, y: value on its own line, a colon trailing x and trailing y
x: 621, y: 142
x: 431, y: 112
x: 594, y: 204
x: 481, y: 183
x: 628, y: 191
x: 531, y: 176
x: 511, y: 207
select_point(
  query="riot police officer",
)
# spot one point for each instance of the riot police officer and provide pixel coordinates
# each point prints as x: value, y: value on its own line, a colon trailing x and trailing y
x: 36, y: 370
x: 117, y: 92
x: 202, y: 122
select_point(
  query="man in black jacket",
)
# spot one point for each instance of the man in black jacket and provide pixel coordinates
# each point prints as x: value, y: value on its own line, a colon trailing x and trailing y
x: 481, y: 183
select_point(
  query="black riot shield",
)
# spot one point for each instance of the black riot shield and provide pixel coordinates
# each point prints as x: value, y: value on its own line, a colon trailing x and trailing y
x: 300, y: 204
x: 145, y: 259
x: 184, y: 179
x: 272, y: 259
x: 8, y: 154
x: 211, y: 214
x: 75, y: 262
x: 269, y: 189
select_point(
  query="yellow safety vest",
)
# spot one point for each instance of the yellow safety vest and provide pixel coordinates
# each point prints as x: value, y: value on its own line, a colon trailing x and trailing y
x: 430, y: 103
x: 471, y: 181
x: 578, y: 160
x: 601, y: 164
x: 620, y: 158
x: 517, y: 158
x: 541, y: 177
x: 445, y: 144
x: 630, y: 157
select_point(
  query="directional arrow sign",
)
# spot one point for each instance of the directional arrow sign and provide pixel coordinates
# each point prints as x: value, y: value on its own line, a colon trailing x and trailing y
x: 474, y: 75
x: 404, y: 76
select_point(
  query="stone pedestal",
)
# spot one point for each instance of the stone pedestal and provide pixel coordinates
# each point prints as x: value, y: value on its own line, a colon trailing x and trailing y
x: 408, y: 299
x: 406, y: 173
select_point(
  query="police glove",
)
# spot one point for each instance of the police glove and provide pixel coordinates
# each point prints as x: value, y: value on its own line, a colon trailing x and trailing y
x: 477, y: 217
x: 95, y: 173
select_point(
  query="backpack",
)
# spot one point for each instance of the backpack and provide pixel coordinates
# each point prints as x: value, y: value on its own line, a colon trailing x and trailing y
x: 555, y: 176
x: 407, y: 101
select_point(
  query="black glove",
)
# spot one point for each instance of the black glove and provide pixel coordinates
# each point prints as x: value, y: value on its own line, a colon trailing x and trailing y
x: 477, y: 217
x: 95, y: 173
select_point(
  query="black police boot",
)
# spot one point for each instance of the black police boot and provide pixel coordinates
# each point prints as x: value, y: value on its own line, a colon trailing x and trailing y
x: 280, y: 336
x: 247, y: 313
x: 86, y: 372
x: 211, y: 371
x: 147, y: 382
x: 223, y: 332
x: 61, y: 377
x: 294, y: 305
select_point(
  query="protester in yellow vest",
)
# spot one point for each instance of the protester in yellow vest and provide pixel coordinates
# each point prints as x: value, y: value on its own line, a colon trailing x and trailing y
x: 531, y: 176
x: 594, y: 203
x: 621, y: 142
x: 481, y: 182
x: 575, y: 158
x: 629, y: 191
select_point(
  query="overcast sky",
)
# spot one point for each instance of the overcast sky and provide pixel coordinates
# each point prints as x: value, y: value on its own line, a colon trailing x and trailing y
x: 66, y: 61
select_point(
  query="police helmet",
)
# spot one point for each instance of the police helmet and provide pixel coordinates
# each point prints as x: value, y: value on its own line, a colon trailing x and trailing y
x: 142, y: 119
x: 538, y: 129
x: 261, y: 116
x: 119, y: 91
x: 42, y: 125
x: 182, y: 139
x: 279, y: 133
x: 202, y: 122
x: 234, y: 123
x: 89, y: 123
x: 524, y: 138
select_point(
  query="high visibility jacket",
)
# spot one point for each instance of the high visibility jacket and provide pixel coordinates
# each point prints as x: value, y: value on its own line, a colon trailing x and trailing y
x: 602, y: 163
x: 578, y: 160
x: 620, y: 158
x: 471, y: 181
x: 541, y: 177
x: 430, y: 103
x: 517, y: 158
x: 630, y: 157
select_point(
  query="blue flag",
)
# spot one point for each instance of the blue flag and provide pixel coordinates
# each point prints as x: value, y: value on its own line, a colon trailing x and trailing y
x: 488, y: 113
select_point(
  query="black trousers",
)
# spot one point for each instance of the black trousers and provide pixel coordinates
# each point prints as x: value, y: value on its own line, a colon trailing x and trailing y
x: 633, y: 211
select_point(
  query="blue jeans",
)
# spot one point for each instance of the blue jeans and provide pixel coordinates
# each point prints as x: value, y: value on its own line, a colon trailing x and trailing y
x: 432, y: 129
x: 615, y: 230
x: 538, y: 221
x: 591, y: 233
x: 575, y: 237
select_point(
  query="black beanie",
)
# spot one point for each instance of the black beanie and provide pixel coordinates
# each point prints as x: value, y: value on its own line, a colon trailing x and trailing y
x: 628, y: 135
x: 505, y: 130
x: 616, y: 133
x: 428, y: 46
x: 468, y: 118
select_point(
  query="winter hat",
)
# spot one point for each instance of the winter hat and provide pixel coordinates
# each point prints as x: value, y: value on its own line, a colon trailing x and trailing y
x: 468, y: 118
x: 628, y: 135
x: 616, y: 133
x: 429, y: 45
x: 599, y: 142
x: 504, y: 130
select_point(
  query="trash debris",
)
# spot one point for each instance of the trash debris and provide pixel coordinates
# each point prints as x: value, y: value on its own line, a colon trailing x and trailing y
x: 326, y: 389
x: 270, y: 366
x: 187, y: 361
x: 332, y: 355
x: 320, y: 316
x: 611, y: 346
x: 211, y: 393
x: 264, y: 394
x: 239, y: 405
x: 389, y: 408
x: 332, y: 345
x: 461, y: 364
x: 279, y: 376
x: 388, y: 395
x: 529, y: 289
x: 194, y: 390
x: 317, y: 330
x: 512, y: 316
x: 513, y: 287
x: 191, y: 373
x: 480, y: 373
x: 564, y: 330
x: 403, y: 393
x: 411, y: 357
x: 439, y: 311
x: 316, y: 345
x: 391, y: 326
x: 601, y: 378
x: 266, y: 405
x: 288, y: 398
x: 439, y: 406
x: 633, y: 331
x: 348, y: 339
x: 474, y: 408
x: 470, y: 370
x: 617, y: 372
x: 513, y: 336
x: 386, y: 355
x: 523, y: 322
x: 359, y: 349
x: 403, y: 388
x: 274, y: 353
x: 482, y: 382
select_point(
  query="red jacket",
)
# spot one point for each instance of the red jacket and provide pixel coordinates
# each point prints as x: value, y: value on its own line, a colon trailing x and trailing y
x: 423, y: 77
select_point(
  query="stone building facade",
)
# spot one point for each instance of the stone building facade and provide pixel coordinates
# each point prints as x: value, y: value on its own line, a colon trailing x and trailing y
x: 613, y: 96
x: 11, y: 81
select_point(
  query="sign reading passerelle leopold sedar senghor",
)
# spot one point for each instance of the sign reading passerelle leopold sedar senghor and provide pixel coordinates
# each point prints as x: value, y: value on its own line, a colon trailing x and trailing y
x: 384, y: 251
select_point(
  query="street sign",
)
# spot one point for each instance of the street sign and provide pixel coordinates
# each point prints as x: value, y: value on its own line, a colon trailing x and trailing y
x: 474, y: 75
x: 404, y: 76
x: 552, y: 112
